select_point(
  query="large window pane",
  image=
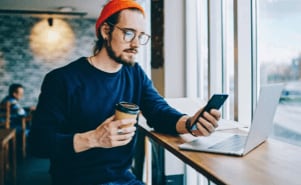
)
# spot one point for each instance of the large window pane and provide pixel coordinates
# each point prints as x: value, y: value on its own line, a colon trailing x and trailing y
x: 279, y: 54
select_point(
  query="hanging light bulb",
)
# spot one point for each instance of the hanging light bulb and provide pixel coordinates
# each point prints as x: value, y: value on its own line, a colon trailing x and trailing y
x: 50, y: 21
x: 51, y: 43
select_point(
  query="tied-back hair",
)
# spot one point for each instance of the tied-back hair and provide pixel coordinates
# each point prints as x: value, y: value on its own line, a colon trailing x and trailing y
x: 113, y: 19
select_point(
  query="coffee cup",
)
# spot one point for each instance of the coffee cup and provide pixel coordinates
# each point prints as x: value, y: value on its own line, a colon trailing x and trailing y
x: 126, y: 110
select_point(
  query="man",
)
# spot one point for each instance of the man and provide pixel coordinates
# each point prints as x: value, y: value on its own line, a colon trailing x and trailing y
x: 74, y: 122
x: 17, y: 112
x: 15, y: 94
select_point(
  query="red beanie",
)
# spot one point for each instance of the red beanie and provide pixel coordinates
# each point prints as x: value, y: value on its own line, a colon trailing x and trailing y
x: 114, y: 6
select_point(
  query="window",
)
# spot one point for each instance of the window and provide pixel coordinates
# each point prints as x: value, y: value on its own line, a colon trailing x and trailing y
x: 210, y: 50
x: 279, y: 56
x: 210, y: 57
x: 144, y: 51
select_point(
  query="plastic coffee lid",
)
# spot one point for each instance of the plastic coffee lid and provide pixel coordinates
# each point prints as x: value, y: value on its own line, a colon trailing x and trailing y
x: 127, y: 107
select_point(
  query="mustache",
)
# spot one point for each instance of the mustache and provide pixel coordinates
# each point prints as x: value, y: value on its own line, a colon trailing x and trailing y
x: 133, y: 50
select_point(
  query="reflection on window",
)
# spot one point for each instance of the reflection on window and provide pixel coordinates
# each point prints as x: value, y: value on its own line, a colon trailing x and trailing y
x: 279, y: 54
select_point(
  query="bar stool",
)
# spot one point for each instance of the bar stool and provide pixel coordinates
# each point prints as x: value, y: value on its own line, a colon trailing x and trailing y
x: 7, y: 156
x: 5, y: 122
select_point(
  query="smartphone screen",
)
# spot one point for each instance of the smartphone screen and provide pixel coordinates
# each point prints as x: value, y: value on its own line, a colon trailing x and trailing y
x: 215, y: 102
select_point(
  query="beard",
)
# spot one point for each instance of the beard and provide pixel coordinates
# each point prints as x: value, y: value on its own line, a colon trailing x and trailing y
x: 116, y: 58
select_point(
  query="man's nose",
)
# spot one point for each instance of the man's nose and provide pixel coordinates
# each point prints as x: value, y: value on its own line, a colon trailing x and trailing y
x: 135, y: 42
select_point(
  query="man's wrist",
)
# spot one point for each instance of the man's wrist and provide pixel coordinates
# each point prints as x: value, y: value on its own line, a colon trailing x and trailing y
x: 83, y: 141
x: 188, y: 126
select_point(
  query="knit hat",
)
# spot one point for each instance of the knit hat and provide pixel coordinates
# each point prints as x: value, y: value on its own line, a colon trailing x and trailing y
x: 114, y: 6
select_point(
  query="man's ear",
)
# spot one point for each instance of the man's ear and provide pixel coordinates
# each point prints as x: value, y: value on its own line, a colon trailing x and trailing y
x: 15, y: 94
x: 105, y: 31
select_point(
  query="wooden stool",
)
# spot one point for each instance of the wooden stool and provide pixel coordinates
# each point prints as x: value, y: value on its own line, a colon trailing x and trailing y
x: 5, y: 121
x: 7, y: 155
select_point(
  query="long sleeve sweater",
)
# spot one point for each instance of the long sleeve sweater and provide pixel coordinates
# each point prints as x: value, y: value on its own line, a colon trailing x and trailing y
x: 77, y: 98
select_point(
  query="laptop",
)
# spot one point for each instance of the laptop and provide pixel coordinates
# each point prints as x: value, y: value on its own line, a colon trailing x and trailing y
x: 240, y: 145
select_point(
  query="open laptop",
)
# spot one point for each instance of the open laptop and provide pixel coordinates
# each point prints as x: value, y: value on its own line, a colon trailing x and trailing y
x: 239, y: 145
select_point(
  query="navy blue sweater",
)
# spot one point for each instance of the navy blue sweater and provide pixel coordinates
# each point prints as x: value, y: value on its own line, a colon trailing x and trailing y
x: 77, y: 98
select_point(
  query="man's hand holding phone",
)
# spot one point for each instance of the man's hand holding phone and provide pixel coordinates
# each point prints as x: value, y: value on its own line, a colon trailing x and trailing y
x: 204, y: 122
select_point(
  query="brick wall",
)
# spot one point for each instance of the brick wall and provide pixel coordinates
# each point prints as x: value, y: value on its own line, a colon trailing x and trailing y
x: 18, y: 62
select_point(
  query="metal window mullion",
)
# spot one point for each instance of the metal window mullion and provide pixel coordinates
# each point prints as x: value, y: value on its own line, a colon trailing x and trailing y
x: 191, y: 66
x: 255, y: 66
x: 202, y: 45
x: 225, y: 56
x: 243, y: 60
x: 191, y: 49
x: 215, y: 72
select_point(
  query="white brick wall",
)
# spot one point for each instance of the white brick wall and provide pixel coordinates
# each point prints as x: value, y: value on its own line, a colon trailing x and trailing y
x: 18, y: 64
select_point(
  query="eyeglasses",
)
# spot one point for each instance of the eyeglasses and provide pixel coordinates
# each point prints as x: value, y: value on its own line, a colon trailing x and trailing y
x: 129, y: 35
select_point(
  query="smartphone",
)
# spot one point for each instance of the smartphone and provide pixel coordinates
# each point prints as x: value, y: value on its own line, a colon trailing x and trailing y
x: 215, y: 102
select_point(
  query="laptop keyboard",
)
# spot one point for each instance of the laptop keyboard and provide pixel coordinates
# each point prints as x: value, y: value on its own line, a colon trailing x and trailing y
x: 233, y: 143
